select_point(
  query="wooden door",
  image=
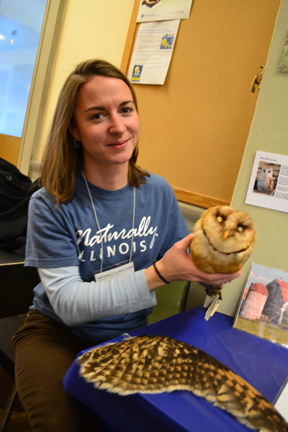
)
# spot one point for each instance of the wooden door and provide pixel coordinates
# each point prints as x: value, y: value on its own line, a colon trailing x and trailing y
x: 194, y: 128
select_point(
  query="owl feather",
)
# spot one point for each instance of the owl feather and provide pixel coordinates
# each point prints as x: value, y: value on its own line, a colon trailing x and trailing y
x: 157, y: 364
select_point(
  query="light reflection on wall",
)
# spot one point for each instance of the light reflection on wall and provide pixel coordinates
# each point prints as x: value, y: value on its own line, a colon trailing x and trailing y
x: 20, y: 28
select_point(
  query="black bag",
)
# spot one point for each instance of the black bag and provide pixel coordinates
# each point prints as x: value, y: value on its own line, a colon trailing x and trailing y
x: 15, y: 192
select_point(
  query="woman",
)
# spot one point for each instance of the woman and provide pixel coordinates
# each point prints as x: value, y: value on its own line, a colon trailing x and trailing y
x: 94, y: 232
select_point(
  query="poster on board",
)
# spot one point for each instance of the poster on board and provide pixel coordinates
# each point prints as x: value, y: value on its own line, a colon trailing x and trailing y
x: 268, y: 186
x: 153, y: 52
x: 159, y: 10
x: 263, y: 309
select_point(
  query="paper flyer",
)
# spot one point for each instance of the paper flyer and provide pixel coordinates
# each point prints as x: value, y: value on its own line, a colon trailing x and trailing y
x: 152, y: 52
x: 268, y: 186
x: 159, y: 10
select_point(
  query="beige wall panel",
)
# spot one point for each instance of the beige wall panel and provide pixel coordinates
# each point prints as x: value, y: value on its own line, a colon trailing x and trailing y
x: 90, y: 29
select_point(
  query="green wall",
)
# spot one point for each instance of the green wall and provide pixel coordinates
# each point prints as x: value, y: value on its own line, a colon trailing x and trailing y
x: 268, y: 133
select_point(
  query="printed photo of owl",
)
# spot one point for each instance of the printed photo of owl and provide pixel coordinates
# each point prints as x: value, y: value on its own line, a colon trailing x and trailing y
x: 266, y: 178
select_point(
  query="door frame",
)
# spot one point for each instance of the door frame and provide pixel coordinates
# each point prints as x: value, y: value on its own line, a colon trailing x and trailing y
x: 40, y: 82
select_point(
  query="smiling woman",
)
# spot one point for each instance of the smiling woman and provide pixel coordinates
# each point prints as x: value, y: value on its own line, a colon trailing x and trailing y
x: 95, y: 230
x: 77, y: 102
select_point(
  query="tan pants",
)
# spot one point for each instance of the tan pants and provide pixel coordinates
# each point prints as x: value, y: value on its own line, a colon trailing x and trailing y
x: 44, y: 351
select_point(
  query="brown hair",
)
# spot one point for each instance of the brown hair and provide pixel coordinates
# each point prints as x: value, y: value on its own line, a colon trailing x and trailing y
x: 60, y: 157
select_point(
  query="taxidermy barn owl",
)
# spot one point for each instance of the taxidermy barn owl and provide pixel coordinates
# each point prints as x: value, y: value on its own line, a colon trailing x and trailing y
x: 265, y: 182
x: 156, y: 364
x: 224, y: 239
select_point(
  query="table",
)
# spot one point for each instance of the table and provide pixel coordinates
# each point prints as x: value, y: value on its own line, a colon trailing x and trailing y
x: 260, y: 362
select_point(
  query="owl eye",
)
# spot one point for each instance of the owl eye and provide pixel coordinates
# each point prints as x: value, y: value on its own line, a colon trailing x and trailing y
x: 220, y: 219
x: 240, y: 228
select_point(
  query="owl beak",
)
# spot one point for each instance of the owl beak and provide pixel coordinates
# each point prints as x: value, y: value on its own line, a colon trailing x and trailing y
x: 225, y: 235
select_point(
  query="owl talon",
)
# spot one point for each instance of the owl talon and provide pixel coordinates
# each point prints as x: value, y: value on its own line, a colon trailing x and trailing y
x: 214, y: 293
x: 214, y: 290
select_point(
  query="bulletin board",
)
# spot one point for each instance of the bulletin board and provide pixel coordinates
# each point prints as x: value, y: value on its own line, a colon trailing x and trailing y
x: 194, y: 128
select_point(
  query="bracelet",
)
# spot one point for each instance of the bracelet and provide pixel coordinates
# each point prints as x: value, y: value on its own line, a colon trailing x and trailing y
x: 161, y: 277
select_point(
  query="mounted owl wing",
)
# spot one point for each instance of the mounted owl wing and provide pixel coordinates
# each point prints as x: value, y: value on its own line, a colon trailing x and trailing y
x: 157, y: 364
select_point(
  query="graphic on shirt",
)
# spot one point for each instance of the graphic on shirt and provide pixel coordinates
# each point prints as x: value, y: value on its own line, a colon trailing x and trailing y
x: 143, y: 238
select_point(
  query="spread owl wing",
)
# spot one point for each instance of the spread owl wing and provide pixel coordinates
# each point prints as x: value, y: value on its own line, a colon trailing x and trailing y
x: 156, y: 364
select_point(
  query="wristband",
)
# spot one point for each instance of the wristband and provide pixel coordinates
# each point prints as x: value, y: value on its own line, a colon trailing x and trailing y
x: 161, y: 277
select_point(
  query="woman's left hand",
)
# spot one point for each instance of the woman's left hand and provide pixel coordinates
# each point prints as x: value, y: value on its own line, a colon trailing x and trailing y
x: 177, y: 265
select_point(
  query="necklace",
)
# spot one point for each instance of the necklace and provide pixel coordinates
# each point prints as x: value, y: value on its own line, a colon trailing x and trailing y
x: 98, y: 225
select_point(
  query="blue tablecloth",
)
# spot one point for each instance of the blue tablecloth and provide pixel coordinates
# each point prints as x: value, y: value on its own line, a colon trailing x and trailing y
x: 260, y: 362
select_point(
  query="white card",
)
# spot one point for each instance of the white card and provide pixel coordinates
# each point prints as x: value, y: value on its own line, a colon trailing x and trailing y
x: 282, y: 401
x: 115, y: 273
x: 216, y: 300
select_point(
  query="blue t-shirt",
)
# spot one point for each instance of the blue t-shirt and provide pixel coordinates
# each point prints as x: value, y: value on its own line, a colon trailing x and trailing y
x: 69, y: 235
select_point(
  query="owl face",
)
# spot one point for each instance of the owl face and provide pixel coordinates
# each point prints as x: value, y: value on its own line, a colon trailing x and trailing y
x: 228, y: 230
x: 266, y: 172
x: 224, y: 240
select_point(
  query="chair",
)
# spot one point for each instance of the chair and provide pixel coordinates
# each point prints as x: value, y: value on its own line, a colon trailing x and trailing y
x: 16, y: 294
x: 8, y: 326
x: 171, y: 299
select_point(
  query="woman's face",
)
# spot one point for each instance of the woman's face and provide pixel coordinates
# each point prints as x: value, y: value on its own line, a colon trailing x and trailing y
x: 106, y: 122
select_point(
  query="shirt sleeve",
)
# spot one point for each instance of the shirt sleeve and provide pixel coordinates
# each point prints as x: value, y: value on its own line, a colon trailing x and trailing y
x: 51, y: 240
x: 77, y: 302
